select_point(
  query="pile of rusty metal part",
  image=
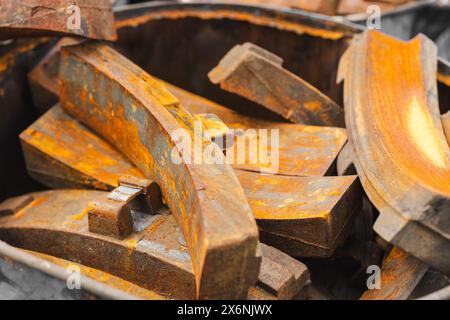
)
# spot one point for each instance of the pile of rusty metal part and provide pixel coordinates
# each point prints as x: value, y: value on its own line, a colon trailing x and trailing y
x: 350, y: 201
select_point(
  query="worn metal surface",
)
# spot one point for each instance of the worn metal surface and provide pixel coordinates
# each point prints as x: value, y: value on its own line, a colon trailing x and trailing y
x: 25, y: 18
x: 400, y: 274
x: 280, y: 274
x: 311, y: 211
x: 154, y: 256
x: 402, y: 156
x: 96, y: 167
x: 206, y: 199
x: 256, y: 74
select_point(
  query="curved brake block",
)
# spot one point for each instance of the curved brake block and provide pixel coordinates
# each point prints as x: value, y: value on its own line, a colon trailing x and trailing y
x: 126, y: 106
x: 153, y: 256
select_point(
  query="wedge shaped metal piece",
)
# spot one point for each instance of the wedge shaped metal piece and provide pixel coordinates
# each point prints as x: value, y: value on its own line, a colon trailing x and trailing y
x: 256, y: 74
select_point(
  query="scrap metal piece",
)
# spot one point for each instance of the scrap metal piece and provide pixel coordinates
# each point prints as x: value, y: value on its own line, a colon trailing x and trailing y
x: 126, y: 106
x: 154, y: 256
x: 401, y: 154
x: 312, y: 212
x: 281, y: 274
x: 25, y: 18
x: 400, y: 274
x: 261, y: 78
x: 52, y: 154
x: 111, y: 216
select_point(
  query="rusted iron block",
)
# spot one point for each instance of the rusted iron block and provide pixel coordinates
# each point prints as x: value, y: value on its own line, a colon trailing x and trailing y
x: 401, y: 154
x: 110, y: 218
x: 281, y: 274
x: 309, y: 214
x: 207, y: 201
x: 154, y: 256
x: 261, y: 78
x: 25, y: 18
x: 400, y: 274
x: 44, y: 154
x: 14, y: 205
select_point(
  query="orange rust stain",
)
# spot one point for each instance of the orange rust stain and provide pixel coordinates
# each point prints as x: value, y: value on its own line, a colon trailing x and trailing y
x: 313, y: 106
x: 34, y: 203
x: 131, y: 245
x: 155, y: 225
x: 424, y: 156
x: 81, y: 215
x: 233, y: 15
